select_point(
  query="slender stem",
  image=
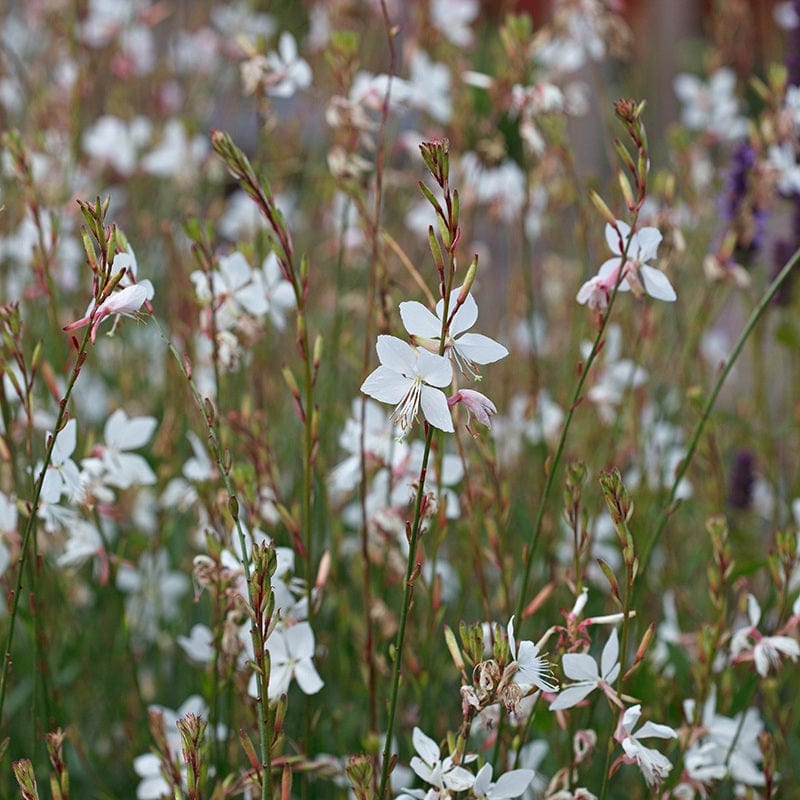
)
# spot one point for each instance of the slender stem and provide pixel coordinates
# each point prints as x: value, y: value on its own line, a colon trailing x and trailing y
x: 265, y: 713
x: 408, y: 589
x: 552, y: 467
x: 755, y: 316
x: 31, y: 524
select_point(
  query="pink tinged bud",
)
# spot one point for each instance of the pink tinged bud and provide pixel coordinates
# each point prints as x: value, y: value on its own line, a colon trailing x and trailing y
x: 477, y: 404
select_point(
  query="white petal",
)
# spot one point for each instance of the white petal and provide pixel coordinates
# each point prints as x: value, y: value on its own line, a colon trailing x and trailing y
x: 612, y: 237
x: 657, y: 284
x: 512, y: 784
x: 64, y: 446
x: 571, y: 695
x: 580, y: 667
x: 480, y: 349
x: 654, y: 729
x: 235, y: 270
x: 386, y: 384
x: 435, y: 370
x: 129, y: 434
x: 420, y: 321
x: 631, y: 717
x: 307, y: 677
x: 300, y: 640
x: 458, y: 779
x: 397, y: 354
x: 610, y: 656
x: 435, y: 408
x: 647, y: 241
x: 465, y: 317
x: 426, y: 748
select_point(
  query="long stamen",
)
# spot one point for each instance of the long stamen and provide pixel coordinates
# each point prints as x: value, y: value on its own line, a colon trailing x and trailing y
x: 406, y: 412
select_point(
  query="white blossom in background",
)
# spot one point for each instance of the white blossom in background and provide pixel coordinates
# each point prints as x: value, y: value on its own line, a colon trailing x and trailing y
x: 177, y: 155
x: 280, y: 73
x: 500, y: 187
x: 8, y: 526
x: 711, y: 106
x: 727, y: 746
x: 62, y: 476
x: 277, y: 292
x: 617, y: 376
x: 117, y: 143
x: 153, y: 593
x: 112, y: 462
x: 430, y: 88
x: 152, y: 784
x: 453, y: 18
x: 782, y: 161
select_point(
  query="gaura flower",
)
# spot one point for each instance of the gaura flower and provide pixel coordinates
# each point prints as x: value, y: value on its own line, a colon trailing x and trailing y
x: 532, y: 669
x: 411, y: 378
x: 581, y: 667
x: 637, y: 275
x: 127, y: 302
x: 655, y: 766
x: 466, y: 349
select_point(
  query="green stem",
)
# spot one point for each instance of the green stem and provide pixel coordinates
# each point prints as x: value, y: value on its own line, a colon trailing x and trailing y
x: 552, y: 468
x: 31, y: 525
x: 408, y: 589
x: 264, y: 715
x: 755, y: 316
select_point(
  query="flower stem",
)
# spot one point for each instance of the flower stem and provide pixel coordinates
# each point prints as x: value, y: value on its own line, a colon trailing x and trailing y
x: 32, y: 522
x: 752, y: 321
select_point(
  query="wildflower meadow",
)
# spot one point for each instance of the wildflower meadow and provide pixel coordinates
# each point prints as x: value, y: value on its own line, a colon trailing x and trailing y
x: 399, y: 399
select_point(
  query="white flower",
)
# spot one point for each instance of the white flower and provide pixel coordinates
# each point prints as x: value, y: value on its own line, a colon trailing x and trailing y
x: 783, y: 162
x: 511, y: 784
x: 466, y: 349
x: 63, y: 475
x: 532, y: 669
x: 711, y: 106
x: 290, y: 651
x: 288, y: 72
x: 411, y: 378
x: 765, y: 651
x: 231, y: 289
x: 582, y: 668
x: 654, y: 765
x: 126, y: 302
x: 452, y: 19
x: 115, y: 465
x: 638, y: 275
x: 199, y: 644
x: 277, y: 291
x: 439, y: 773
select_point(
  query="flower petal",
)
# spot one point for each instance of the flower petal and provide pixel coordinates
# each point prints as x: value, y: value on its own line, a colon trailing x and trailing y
x: 646, y: 242
x: 580, y: 667
x: 419, y: 320
x: 610, y: 656
x: 435, y: 408
x: 480, y: 349
x: 571, y: 696
x: 386, y: 384
x: 397, y: 354
x: 465, y: 317
x: 657, y: 284
x: 426, y: 748
x: 435, y: 370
